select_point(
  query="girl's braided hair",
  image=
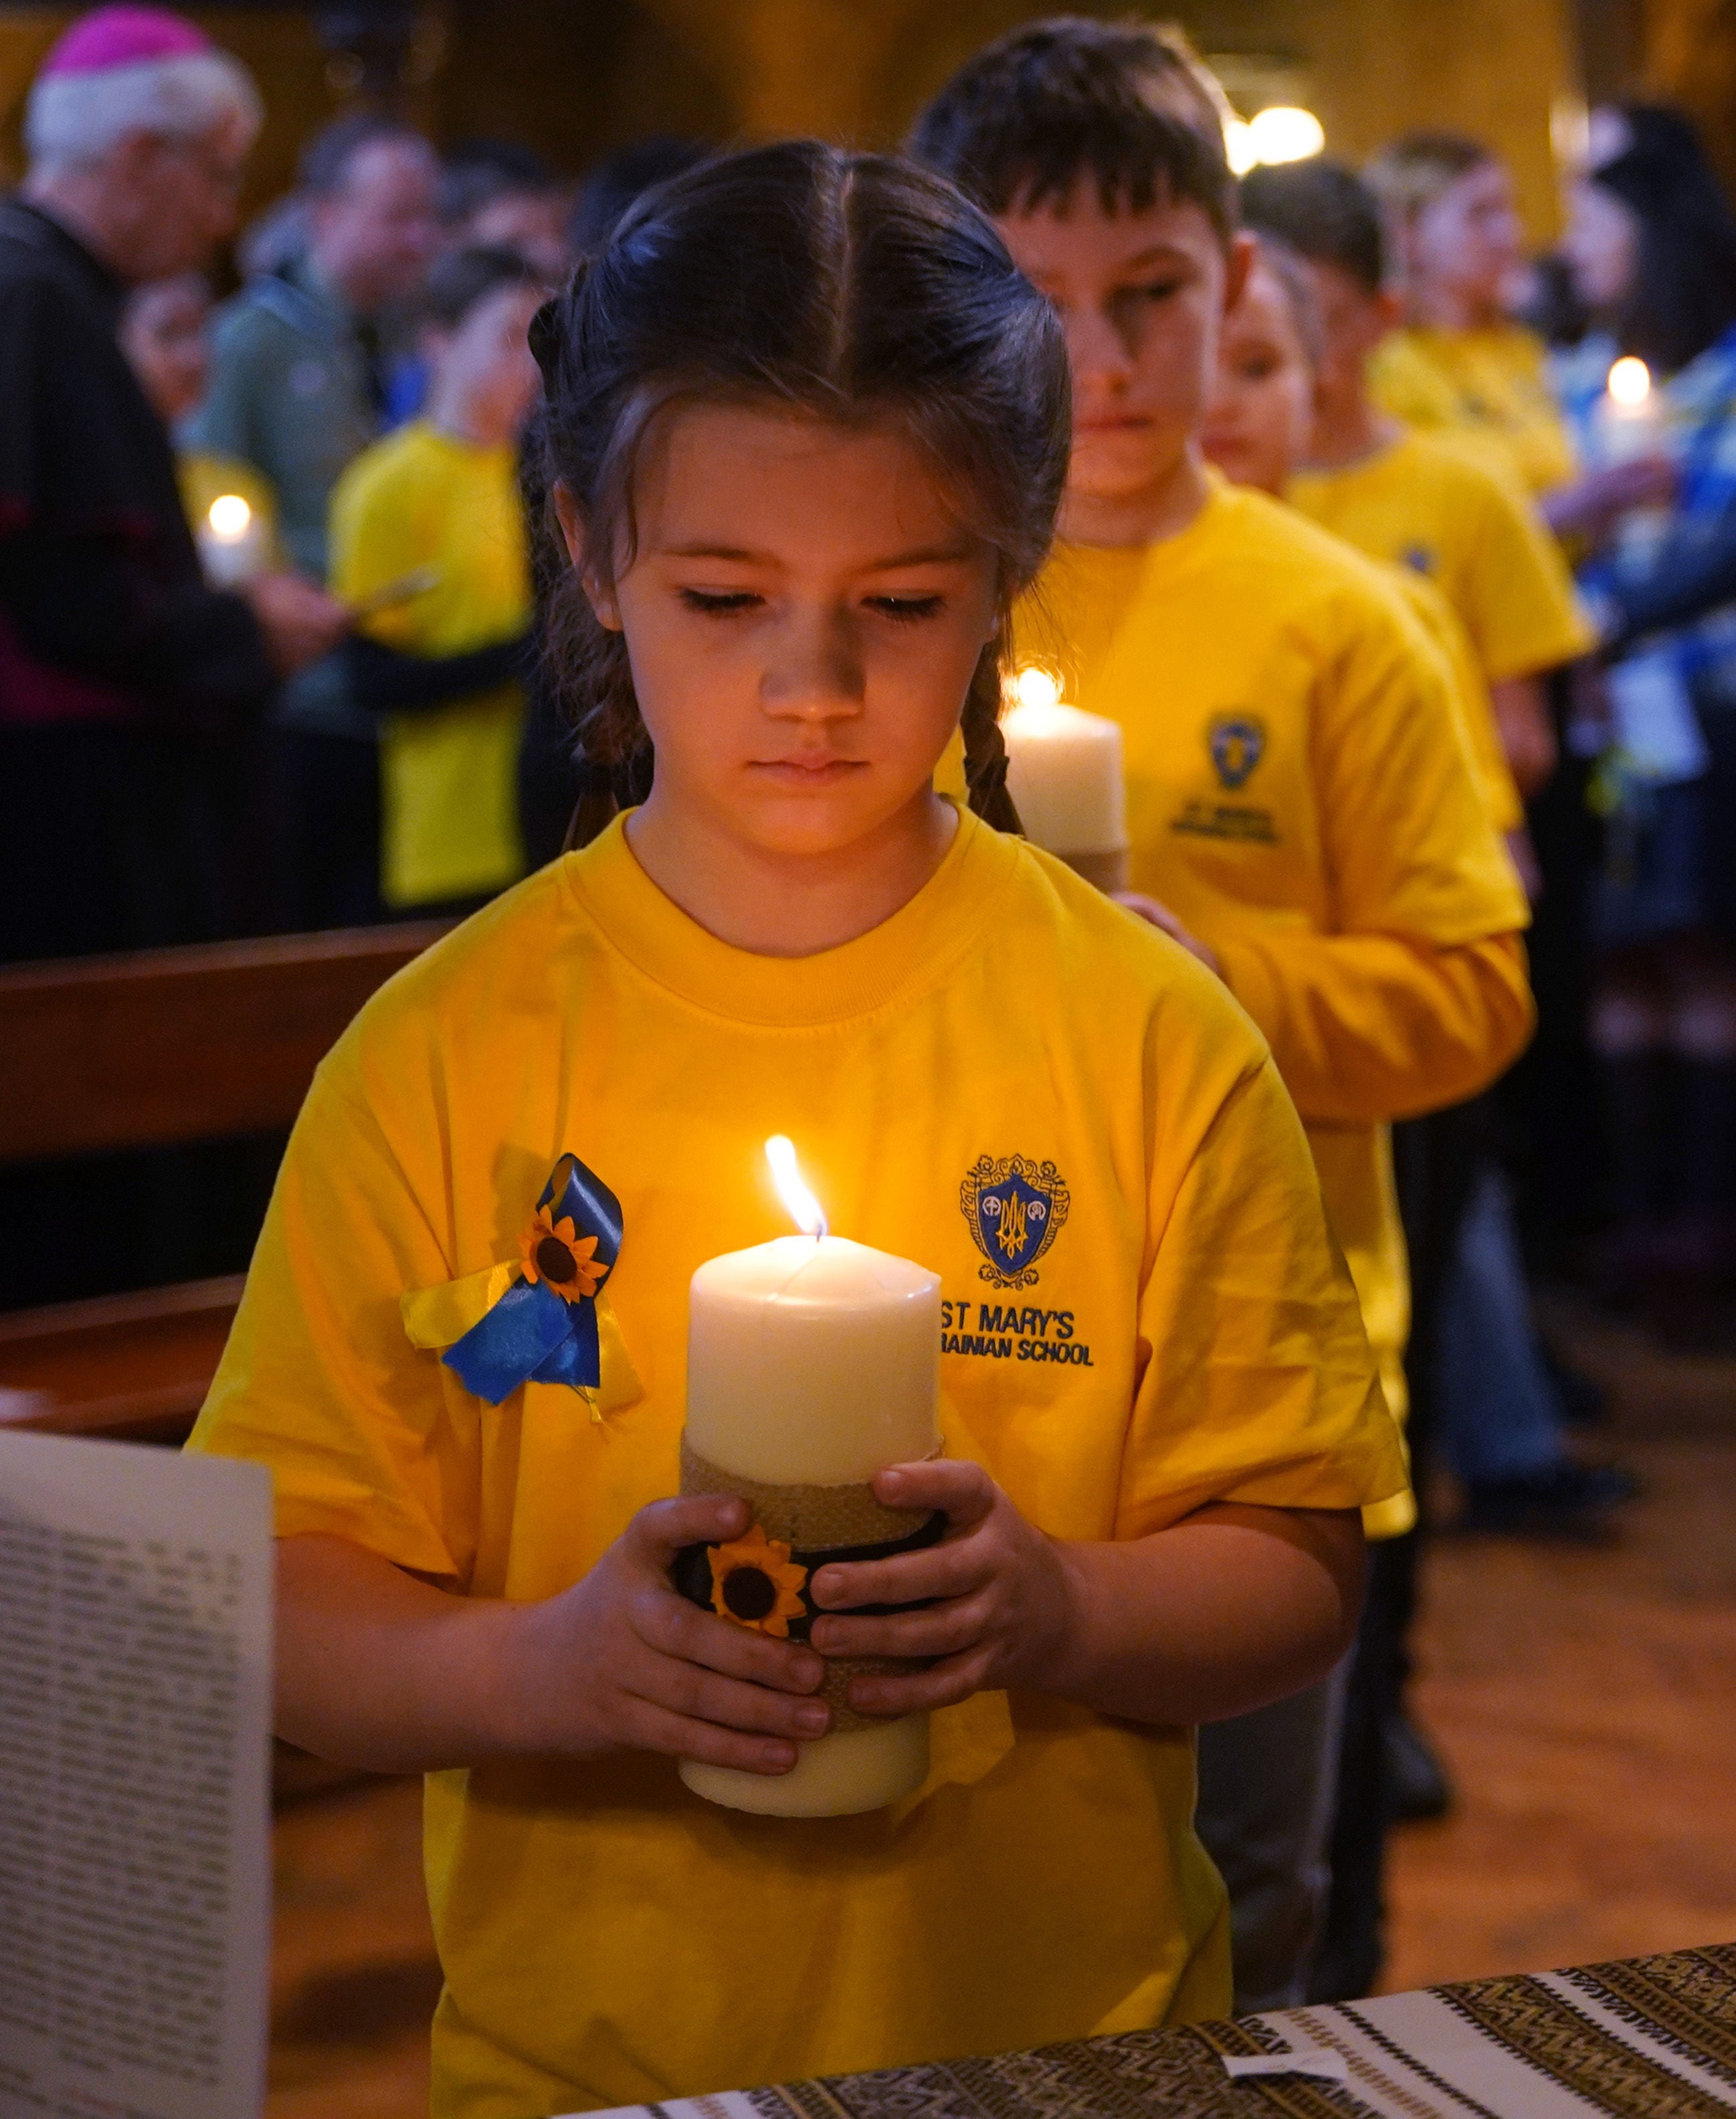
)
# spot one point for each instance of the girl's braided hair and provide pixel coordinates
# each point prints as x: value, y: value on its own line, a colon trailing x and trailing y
x: 853, y: 288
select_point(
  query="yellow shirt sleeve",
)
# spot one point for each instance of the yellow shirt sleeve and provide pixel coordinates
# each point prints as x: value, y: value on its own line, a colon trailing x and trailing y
x: 1515, y: 594
x: 1419, y: 997
x: 1471, y: 696
x: 1257, y: 1383
x: 367, y: 1437
x: 380, y: 532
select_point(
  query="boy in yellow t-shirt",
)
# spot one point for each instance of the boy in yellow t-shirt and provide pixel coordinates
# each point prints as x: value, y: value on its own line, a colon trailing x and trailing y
x: 1260, y: 426
x: 1407, y: 497
x: 1460, y: 363
x: 805, y: 432
x: 433, y: 513
x: 1302, y: 803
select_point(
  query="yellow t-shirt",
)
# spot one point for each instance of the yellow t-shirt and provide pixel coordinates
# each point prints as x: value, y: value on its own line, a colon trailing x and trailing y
x: 1300, y: 792
x: 1489, y: 388
x: 449, y: 776
x: 1443, y: 624
x: 1419, y: 505
x: 608, y: 1938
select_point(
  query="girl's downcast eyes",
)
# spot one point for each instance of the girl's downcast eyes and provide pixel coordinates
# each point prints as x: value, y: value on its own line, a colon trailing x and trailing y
x: 719, y: 603
x: 726, y: 603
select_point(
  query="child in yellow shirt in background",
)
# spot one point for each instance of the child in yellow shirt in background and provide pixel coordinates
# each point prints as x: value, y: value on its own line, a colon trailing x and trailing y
x: 1407, y: 497
x: 1301, y: 796
x: 1460, y: 367
x: 1261, y: 423
x: 434, y: 509
x: 806, y: 434
x: 1459, y: 362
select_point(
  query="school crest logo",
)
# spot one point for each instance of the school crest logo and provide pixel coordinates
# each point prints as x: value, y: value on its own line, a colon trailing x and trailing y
x: 1238, y: 743
x: 1014, y: 1209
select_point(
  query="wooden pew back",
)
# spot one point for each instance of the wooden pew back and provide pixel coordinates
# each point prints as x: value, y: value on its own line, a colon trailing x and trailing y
x: 152, y: 1049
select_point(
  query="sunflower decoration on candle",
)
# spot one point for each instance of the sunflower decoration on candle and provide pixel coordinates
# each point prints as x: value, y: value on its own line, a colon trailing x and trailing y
x: 755, y: 1583
x: 556, y: 1254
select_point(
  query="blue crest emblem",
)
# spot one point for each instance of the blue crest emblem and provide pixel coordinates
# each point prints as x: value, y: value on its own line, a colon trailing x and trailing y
x: 1014, y: 1209
x: 1238, y: 743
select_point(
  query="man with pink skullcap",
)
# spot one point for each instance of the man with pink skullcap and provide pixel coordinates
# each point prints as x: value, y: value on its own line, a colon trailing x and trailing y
x: 121, y: 671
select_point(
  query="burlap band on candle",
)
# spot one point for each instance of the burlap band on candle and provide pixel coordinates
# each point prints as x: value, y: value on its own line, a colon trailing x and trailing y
x: 818, y: 1524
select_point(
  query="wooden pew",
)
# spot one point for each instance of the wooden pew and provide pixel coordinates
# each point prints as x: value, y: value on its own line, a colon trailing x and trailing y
x: 159, y: 1048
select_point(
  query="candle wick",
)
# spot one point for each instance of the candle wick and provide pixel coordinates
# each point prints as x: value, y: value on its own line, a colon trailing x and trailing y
x: 823, y: 1232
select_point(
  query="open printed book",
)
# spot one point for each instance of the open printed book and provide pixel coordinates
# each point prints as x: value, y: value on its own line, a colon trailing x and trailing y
x: 135, y: 1681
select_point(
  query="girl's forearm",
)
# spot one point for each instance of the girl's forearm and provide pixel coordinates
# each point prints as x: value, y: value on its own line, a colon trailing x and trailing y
x: 378, y: 1670
x: 1222, y: 1613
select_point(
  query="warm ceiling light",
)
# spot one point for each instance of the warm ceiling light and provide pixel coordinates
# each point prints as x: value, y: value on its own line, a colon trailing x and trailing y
x: 1238, y: 146
x: 1283, y: 133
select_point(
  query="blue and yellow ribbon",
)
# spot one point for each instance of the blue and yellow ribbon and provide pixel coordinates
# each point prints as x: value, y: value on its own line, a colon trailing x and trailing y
x: 544, y: 1318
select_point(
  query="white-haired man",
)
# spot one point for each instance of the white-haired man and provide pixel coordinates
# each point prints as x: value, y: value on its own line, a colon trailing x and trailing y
x: 121, y: 671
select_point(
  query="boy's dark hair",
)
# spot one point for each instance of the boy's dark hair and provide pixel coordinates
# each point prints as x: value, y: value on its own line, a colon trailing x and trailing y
x: 1122, y: 103
x: 1289, y: 268
x: 622, y: 178
x: 1408, y: 176
x: 324, y: 166
x: 1325, y: 212
x: 458, y: 281
x: 849, y: 288
x: 476, y: 172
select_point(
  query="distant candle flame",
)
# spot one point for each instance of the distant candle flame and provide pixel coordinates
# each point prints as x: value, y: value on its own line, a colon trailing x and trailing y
x: 1630, y: 380
x: 803, y: 1208
x: 230, y: 517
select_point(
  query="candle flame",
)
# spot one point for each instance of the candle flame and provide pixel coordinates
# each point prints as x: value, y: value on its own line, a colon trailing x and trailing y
x: 1629, y: 380
x: 1034, y: 686
x: 803, y: 1208
x: 230, y: 517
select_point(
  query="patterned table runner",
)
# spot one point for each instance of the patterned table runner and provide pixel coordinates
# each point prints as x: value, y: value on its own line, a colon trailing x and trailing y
x: 1650, y: 2037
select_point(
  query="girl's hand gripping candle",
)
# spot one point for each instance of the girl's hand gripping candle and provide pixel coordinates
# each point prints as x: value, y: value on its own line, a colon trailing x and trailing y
x: 1064, y: 773
x: 813, y: 1364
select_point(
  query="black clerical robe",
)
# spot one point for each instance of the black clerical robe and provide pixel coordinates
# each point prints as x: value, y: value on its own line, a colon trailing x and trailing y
x: 124, y: 679
x: 128, y: 689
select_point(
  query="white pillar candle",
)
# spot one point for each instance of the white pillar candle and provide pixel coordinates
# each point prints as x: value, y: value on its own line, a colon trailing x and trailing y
x: 1064, y: 773
x: 1632, y: 421
x: 232, y: 542
x: 1630, y: 416
x: 815, y: 1361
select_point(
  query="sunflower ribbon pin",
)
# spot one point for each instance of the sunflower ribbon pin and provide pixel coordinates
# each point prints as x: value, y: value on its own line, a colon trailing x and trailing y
x: 543, y: 1318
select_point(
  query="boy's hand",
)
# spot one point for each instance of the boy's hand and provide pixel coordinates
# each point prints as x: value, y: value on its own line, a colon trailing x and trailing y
x: 621, y: 1662
x: 1002, y: 1596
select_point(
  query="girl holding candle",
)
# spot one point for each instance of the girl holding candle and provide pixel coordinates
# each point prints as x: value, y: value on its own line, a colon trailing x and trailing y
x: 807, y: 433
